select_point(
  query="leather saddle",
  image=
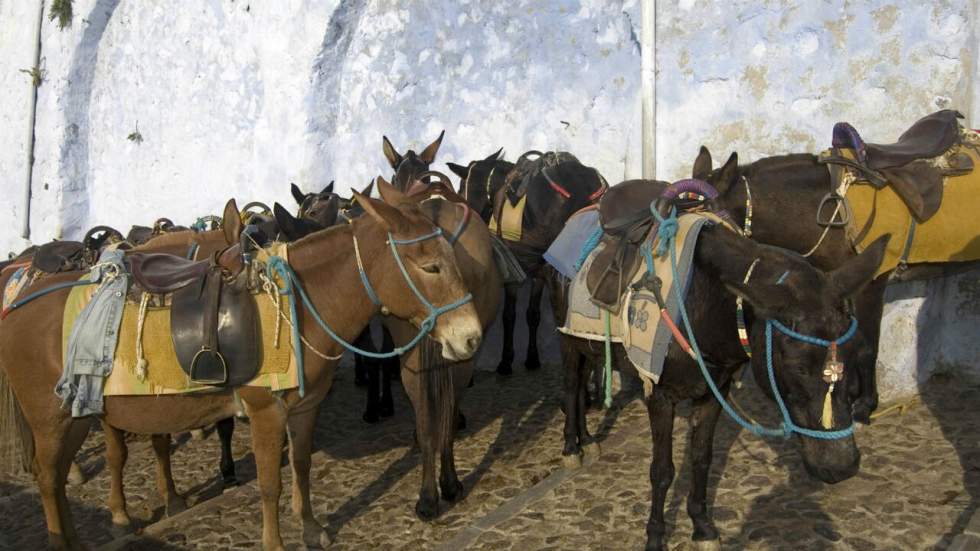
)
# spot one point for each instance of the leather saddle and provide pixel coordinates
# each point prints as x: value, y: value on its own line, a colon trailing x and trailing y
x: 907, y: 164
x: 213, y: 316
x: 625, y: 218
x: 69, y: 256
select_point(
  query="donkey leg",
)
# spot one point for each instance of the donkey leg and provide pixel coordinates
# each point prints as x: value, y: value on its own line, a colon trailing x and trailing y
x: 588, y: 443
x: 226, y: 429
x: 52, y: 460
x: 360, y: 363
x: 452, y: 488
x: 268, y: 424
x: 116, y: 454
x: 533, y: 361
x: 300, y: 426
x: 870, y: 307
x: 389, y: 370
x: 703, y: 423
x: 508, y: 319
x: 571, y: 453
x: 172, y: 501
x: 661, y: 413
x: 371, y: 413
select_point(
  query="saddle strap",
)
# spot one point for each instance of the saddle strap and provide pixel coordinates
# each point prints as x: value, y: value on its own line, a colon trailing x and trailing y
x: 212, y: 293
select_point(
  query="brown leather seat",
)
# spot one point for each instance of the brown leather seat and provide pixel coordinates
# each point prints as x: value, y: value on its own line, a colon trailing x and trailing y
x: 164, y: 273
x: 929, y: 137
x: 628, y: 203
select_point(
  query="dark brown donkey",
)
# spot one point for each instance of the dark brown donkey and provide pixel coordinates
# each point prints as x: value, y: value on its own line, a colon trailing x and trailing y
x: 553, y: 194
x: 437, y: 411
x: 325, y: 263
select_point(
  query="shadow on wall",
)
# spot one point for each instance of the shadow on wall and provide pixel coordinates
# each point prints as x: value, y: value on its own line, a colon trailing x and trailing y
x: 73, y: 166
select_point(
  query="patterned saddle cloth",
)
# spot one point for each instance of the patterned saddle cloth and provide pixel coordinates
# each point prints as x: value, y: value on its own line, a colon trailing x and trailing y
x: 637, y: 326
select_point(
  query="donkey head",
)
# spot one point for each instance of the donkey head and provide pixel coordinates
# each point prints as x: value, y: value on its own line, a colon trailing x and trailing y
x: 816, y: 381
x: 322, y: 207
x: 409, y: 165
x: 419, y: 263
x: 477, y: 178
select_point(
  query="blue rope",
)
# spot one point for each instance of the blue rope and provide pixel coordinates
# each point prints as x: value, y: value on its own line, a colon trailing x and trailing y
x: 47, y: 290
x: 291, y: 287
x: 788, y: 427
x: 816, y: 341
x: 590, y: 244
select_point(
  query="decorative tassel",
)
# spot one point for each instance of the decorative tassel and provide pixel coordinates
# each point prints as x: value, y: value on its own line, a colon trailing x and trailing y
x: 141, y: 363
x: 827, y: 419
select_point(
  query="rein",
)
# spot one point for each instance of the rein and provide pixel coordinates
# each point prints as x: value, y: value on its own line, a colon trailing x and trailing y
x: 291, y: 287
x: 667, y: 233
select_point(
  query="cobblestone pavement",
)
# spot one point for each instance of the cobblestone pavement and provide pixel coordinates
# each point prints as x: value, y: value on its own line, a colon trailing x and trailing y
x: 918, y: 487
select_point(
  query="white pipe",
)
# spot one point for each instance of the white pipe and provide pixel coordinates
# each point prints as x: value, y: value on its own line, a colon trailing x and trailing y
x: 32, y: 112
x: 648, y: 78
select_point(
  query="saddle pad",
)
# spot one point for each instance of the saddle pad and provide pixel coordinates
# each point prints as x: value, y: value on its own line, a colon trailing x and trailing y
x: 15, y: 285
x: 949, y: 236
x: 512, y: 220
x: 278, y: 370
x: 638, y: 326
x: 566, y: 248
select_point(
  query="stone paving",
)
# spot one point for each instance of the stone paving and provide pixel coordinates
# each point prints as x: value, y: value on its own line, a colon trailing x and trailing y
x: 917, y: 489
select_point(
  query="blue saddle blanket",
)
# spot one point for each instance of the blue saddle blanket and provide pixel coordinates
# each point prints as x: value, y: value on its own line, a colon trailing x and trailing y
x: 564, y: 252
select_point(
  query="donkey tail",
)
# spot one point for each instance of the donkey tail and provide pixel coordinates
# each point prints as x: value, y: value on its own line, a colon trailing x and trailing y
x: 16, y: 440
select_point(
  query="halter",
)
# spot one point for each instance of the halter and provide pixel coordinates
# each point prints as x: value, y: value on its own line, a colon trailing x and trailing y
x: 667, y: 232
x: 291, y: 286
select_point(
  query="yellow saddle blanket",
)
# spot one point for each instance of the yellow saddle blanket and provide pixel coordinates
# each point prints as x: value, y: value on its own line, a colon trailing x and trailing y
x: 511, y: 220
x: 277, y: 371
x: 951, y: 235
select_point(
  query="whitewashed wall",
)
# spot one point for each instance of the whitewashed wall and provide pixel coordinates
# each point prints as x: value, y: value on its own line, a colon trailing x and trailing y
x: 239, y: 98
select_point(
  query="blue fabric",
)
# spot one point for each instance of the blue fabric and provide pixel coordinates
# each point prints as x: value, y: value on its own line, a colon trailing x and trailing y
x: 92, y: 343
x: 566, y: 248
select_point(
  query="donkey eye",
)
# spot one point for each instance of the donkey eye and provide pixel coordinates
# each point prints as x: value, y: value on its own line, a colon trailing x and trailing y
x: 431, y: 268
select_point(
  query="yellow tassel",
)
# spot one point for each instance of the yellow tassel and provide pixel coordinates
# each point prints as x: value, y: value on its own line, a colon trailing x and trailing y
x: 141, y: 366
x: 827, y: 419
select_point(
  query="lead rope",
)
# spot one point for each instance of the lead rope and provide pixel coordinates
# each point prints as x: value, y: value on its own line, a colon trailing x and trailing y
x: 141, y: 363
x: 607, y: 402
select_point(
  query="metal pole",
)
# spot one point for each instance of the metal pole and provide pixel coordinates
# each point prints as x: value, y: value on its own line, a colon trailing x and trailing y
x: 32, y: 111
x: 648, y: 77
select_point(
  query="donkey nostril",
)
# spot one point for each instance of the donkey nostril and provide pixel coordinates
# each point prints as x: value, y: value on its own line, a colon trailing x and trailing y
x: 473, y: 342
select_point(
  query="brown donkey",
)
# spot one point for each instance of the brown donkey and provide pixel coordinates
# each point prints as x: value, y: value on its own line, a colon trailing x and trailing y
x: 325, y: 263
x: 433, y: 384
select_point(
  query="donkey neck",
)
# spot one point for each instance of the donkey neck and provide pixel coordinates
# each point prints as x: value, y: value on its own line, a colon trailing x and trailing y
x: 324, y: 262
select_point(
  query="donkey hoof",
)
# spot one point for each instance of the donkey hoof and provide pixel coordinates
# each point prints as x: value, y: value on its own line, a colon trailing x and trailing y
x: 371, y: 417
x: 386, y: 410
x: 708, y: 545
x: 175, y: 505
x: 121, y: 530
x: 230, y: 482
x: 452, y: 491
x: 591, y: 451
x: 504, y: 369
x: 427, y: 509
x: 317, y: 538
x: 532, y: 363
x: 75, y: 475
x: 571, y: 461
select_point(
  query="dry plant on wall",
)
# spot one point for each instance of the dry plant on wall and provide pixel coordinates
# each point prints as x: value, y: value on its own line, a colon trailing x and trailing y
x: 37, y: 74
x: 61, y: 10
x: 135, y: 135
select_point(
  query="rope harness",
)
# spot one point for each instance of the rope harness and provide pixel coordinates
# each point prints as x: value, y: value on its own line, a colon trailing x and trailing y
x: 833, y: 371
x: 293, y: 289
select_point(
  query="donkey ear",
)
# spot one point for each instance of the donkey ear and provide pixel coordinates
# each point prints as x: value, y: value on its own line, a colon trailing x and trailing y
x: 231, y: 222
x: 494, y: 156
x: 702, y: 165
x: 857, y: 272
x: 368, y: 189
x: 389, y: 193
x: 727, y: 174
x: 428, y: 154
x: 329, y: 188
x: 298, y: 195
x: 394, y: 159
x: 386, y: 215
x: 290, y: 226
x: 458, y: 170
